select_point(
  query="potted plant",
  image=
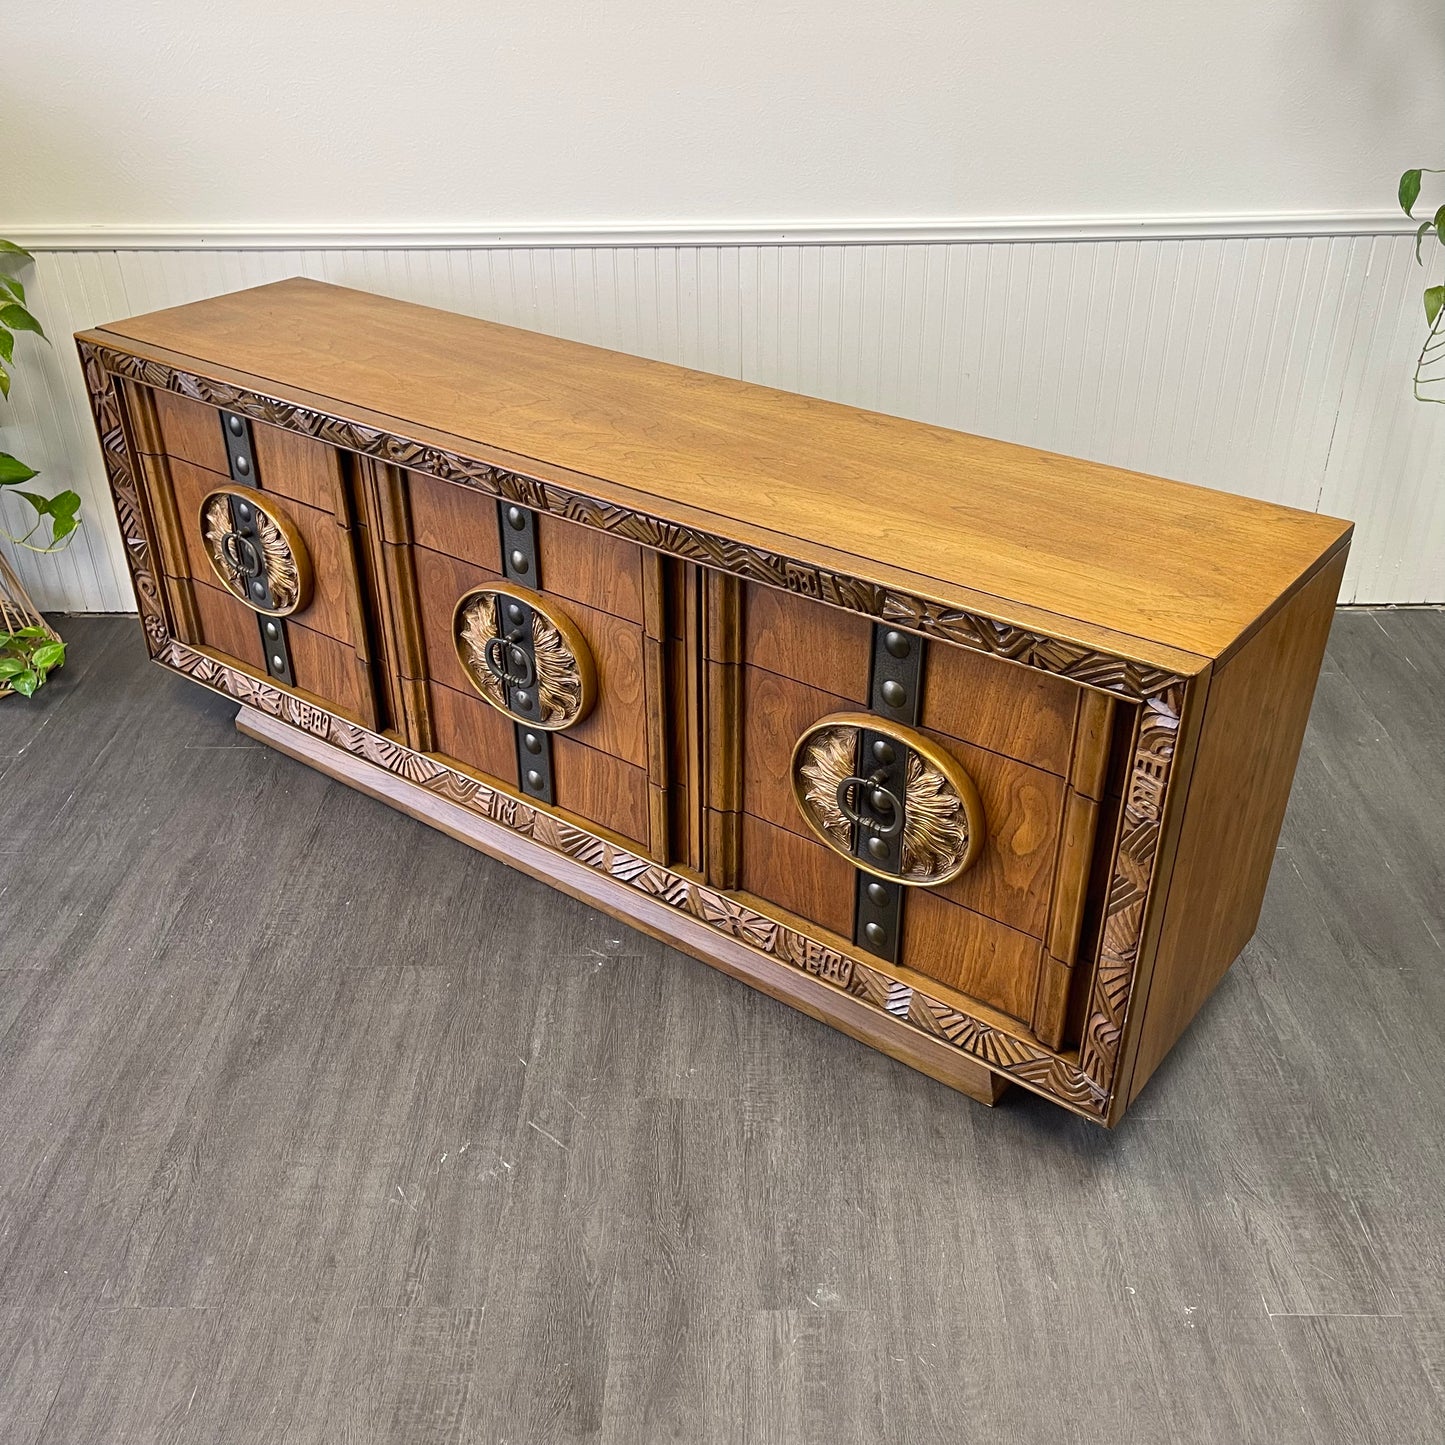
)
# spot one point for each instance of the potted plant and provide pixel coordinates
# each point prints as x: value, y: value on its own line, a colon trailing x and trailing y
x: 30, y: 649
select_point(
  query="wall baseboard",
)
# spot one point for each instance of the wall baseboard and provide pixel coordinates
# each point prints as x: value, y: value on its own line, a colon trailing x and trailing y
x: 114, y: 237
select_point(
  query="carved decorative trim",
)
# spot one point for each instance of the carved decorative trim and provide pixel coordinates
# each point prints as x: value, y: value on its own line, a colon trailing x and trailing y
x: 1085, y: 1086
x: 1133, y: 876
x: 115, y: 452
x: 973, y: 630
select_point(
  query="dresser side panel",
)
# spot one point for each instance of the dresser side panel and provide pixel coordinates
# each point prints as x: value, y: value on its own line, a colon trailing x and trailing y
x: 1252, y: 731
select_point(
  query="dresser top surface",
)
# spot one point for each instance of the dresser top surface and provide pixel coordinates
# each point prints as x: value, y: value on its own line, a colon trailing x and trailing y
x: 975, y: 523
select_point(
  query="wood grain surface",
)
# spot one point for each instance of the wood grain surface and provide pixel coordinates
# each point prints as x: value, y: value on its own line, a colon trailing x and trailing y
x: 1023, y: 806
x: 1074, y: 539
x: 618, y: 723
x: 333, y: 568
x: 228, y: 625
x: 459, y: 1158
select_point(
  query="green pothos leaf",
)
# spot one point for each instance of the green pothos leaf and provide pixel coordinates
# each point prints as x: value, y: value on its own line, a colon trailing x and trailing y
x: 13, y: 470
x: 1409, y: 189
x: 17, y: 318
x: 48, y: 655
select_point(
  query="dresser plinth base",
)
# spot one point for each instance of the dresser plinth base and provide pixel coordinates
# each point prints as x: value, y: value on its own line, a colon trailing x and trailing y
x: 636, y: 910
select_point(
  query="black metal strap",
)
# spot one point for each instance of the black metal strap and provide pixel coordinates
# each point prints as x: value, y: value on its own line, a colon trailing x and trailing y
x: 245, y: 542
x: 511, y: 656
x: 875, y: 798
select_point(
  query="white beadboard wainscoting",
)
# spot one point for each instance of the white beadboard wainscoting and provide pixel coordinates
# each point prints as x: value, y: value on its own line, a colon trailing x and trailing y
x: 1273, y: 365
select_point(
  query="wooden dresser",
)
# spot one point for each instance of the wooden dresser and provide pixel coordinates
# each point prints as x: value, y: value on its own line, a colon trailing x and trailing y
x: 978, y: 753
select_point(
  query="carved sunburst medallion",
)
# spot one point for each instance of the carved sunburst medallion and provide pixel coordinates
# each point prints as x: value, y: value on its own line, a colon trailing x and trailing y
x: 509, y: 637
x: 942, y: 829
x: 255, y: 551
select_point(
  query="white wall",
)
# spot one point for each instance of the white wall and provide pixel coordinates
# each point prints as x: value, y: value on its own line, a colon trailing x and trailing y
x: 524, y: 112
x: 1157, y: 235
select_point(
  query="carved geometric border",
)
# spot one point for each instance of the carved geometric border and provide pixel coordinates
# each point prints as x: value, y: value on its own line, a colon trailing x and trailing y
x: 1072, y: 660
x: 1085, y: 1086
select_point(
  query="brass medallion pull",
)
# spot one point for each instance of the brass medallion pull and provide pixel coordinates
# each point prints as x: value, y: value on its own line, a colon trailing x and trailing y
x: 524, y: 656
x: 255, y: 551
x: 915, y: 818
x: 241, y: 554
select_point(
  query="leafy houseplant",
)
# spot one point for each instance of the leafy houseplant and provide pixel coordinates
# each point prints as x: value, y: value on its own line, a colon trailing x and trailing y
x: 1430, y: 368
x: 29, y: 648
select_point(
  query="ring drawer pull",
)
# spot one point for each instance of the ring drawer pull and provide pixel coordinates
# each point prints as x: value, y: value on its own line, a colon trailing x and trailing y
x: 887, y: 798
x: 885, y: 817
x: 509, y: 661
x: 524, y: 656
x: 255, y: 551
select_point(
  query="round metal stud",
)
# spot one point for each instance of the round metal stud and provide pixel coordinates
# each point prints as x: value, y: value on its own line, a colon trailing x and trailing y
x: 878, y: 895
x: 243, y: 465
x: 532, y: 743
x: 875, y: 933
x: 523, y: 699
x: 514, y: 612
x: 258, y: 588
x: 894, y: 693
x: 243, y: 511
x: 516, y: 518
x: 534, y: 779
x: 519, y: 560
x: 881, y: 801
x: 883, y: 752
x: 278, y: 662
x: 272, y: 631
x: 235, y: 425
x: 898, y: 644
x: 878, y: 847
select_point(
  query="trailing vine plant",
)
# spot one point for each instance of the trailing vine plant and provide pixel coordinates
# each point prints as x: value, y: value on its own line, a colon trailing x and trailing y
x: 1430, y: 368
x: 29, y: 650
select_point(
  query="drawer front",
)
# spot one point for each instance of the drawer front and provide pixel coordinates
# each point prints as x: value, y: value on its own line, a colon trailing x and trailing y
x: 506, y: 659
x: 263, y: 553
x: 992, y: 786
x: 330, y: 606
x: 983, y: 701
x: 1010, y: 879
x: 726, y: 728
x: 577, y: 563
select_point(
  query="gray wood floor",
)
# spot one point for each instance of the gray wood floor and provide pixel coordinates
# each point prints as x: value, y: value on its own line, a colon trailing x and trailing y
x: 316, y: 1126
